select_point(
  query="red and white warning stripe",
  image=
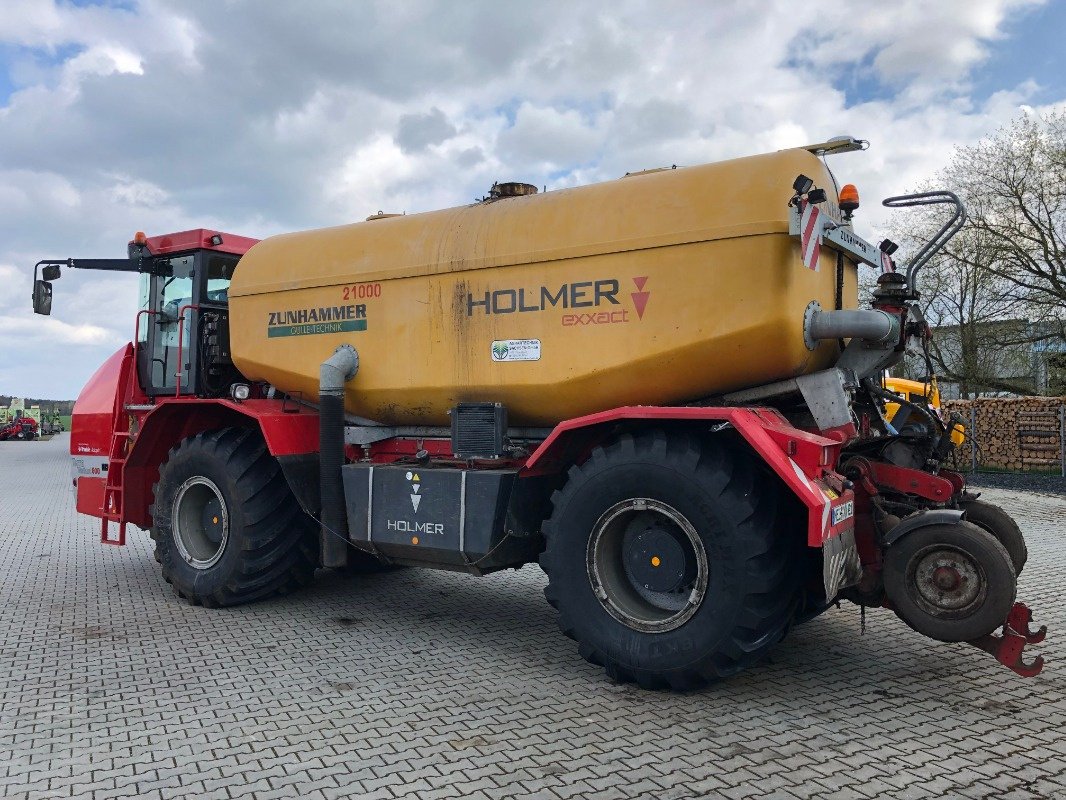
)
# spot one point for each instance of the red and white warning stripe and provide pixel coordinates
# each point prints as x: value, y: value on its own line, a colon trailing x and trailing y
x: 817, y: 494
x: 887, y: 264
x: 810, y: 234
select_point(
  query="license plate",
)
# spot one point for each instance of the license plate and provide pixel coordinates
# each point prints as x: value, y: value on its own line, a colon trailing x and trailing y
x: 843, y: 511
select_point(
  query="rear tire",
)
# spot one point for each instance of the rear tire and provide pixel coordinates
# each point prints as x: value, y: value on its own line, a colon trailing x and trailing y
x: 951, y: 582
x: 226, y: 526
x: 702, y: 519
x: 1000, y: 524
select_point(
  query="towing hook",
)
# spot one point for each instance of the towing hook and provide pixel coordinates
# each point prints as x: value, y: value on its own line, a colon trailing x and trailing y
x: 1016, y: 634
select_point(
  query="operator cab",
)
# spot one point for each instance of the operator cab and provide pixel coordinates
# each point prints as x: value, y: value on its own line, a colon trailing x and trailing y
x: 182, y: 325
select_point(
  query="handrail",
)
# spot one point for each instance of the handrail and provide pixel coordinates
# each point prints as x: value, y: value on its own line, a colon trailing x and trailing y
x: 137, y: 326
x: 181, y: 330
x: 942, y: 237
x: 137, y: 341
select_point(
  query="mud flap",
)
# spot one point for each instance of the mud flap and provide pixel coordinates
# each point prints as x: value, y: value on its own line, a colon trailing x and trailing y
x: 840, y: 563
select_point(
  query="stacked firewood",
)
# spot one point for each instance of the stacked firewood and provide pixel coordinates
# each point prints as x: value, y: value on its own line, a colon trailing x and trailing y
x: 1013, y: 433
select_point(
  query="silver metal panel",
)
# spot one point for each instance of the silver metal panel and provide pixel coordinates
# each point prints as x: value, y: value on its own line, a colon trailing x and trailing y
x: 839, y: 237
x: 844, y: 239
x: 462, y: 515
x: 362, y: 435
x: 838, y: 144
x: 370, y: 504
x: 368, y: 434
x: 827, y: 397
x: 826, y: 393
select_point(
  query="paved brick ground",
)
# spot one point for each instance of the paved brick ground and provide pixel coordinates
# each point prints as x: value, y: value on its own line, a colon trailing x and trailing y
x: 434, y: 685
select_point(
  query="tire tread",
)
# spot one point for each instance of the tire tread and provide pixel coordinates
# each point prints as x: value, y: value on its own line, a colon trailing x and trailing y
x: 277, y: 545
x: 771, y: 593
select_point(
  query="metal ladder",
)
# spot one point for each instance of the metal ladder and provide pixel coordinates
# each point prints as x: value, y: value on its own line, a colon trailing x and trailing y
x: 113, y: 485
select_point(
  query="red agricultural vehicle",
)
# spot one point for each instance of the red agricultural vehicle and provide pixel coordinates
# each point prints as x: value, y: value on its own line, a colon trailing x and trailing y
x: 21, y: 428
x: 660, y: 388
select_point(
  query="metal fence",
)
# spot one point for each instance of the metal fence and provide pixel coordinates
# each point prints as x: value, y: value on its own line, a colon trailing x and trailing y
x: 1024, y: 434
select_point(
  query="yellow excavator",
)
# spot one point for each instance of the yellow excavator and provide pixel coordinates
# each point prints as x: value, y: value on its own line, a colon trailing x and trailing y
x: 924, y: 392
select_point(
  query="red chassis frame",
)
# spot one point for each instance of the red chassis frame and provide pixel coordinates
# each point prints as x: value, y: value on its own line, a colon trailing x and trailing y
x: 114, y: 422
x: 119, y: 440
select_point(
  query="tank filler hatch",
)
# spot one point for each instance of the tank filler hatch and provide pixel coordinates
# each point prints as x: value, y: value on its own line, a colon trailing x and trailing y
x: 511, y: 189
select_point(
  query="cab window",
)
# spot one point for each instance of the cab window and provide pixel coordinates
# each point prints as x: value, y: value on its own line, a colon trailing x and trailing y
x: 220, y: 268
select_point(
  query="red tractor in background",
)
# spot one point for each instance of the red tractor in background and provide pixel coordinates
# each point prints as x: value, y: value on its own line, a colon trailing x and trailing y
x: 23, y: 428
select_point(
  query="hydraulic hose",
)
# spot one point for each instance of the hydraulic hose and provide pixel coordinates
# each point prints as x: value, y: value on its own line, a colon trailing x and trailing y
x: 936, y: 426
x: 335, y: 371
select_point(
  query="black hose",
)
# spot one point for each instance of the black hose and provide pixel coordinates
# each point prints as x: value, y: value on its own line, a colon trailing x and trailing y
x: 935, y: 423
x: 839, y: 304
x: 333, y: 374
x: 331, y: 487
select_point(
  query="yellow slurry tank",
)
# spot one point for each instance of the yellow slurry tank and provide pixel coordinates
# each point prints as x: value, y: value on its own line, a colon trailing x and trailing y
x: 658, y: 288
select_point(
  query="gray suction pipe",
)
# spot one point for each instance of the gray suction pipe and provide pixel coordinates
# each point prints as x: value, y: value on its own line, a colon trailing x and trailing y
x: 335, y: 371
x: 878, y: 327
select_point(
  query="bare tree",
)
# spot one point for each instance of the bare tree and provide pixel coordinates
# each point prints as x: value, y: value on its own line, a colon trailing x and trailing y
x: 1000, y: 284
x: 1014, y: 184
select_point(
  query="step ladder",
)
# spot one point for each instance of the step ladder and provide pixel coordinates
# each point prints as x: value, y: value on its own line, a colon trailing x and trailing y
x: 113, y: 485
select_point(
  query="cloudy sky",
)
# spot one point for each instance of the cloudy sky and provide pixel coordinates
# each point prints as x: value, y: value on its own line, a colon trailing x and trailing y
x: 263, y: 117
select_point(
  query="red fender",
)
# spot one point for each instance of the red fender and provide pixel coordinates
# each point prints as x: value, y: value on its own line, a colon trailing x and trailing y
x: 803, y: 461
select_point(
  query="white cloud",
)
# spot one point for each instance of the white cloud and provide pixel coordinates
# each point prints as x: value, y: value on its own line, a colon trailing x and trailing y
x: 931, y: 43
x: 550, y: 137
x: 264, y: 117
x: 129, y: 191
x: 18, y: 331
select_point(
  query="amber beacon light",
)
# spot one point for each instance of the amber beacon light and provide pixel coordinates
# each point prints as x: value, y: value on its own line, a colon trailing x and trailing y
x: 849, y: 199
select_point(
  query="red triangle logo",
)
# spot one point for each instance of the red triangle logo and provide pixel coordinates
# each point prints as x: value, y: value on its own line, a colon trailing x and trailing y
x: 640, y: 297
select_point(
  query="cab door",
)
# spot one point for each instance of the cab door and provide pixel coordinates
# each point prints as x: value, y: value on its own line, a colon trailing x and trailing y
x: 167, y: 294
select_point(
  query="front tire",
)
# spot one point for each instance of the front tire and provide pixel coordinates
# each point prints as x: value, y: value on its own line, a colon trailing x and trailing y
x: 226, y: 526
x: 950, y: 582
x: 665, y: 562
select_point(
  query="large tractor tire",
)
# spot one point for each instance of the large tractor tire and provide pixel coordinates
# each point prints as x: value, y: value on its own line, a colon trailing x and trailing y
x: 1000, y: 524
x: 226, y: 527
x: 666, y: 564
x: 951, y: 582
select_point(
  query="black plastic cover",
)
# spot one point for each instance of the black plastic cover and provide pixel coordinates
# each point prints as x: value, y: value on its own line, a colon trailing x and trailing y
x: 436, y: 516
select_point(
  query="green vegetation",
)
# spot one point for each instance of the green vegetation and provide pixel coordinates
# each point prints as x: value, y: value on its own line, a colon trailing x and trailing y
x: 64, y: 406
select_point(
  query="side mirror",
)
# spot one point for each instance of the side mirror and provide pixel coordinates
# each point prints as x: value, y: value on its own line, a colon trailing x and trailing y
x: 42, y: 297
x: 51, y: 272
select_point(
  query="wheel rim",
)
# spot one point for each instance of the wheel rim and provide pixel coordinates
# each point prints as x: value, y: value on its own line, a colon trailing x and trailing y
x: 200, y: 522
x: 946, y: 581
x: 647, y: 565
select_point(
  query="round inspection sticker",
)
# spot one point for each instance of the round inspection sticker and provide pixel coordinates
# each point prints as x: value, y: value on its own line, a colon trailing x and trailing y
x: 516, y: 350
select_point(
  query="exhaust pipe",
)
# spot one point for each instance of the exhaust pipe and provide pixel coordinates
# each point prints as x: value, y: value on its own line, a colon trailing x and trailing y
x: 335, y: 371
